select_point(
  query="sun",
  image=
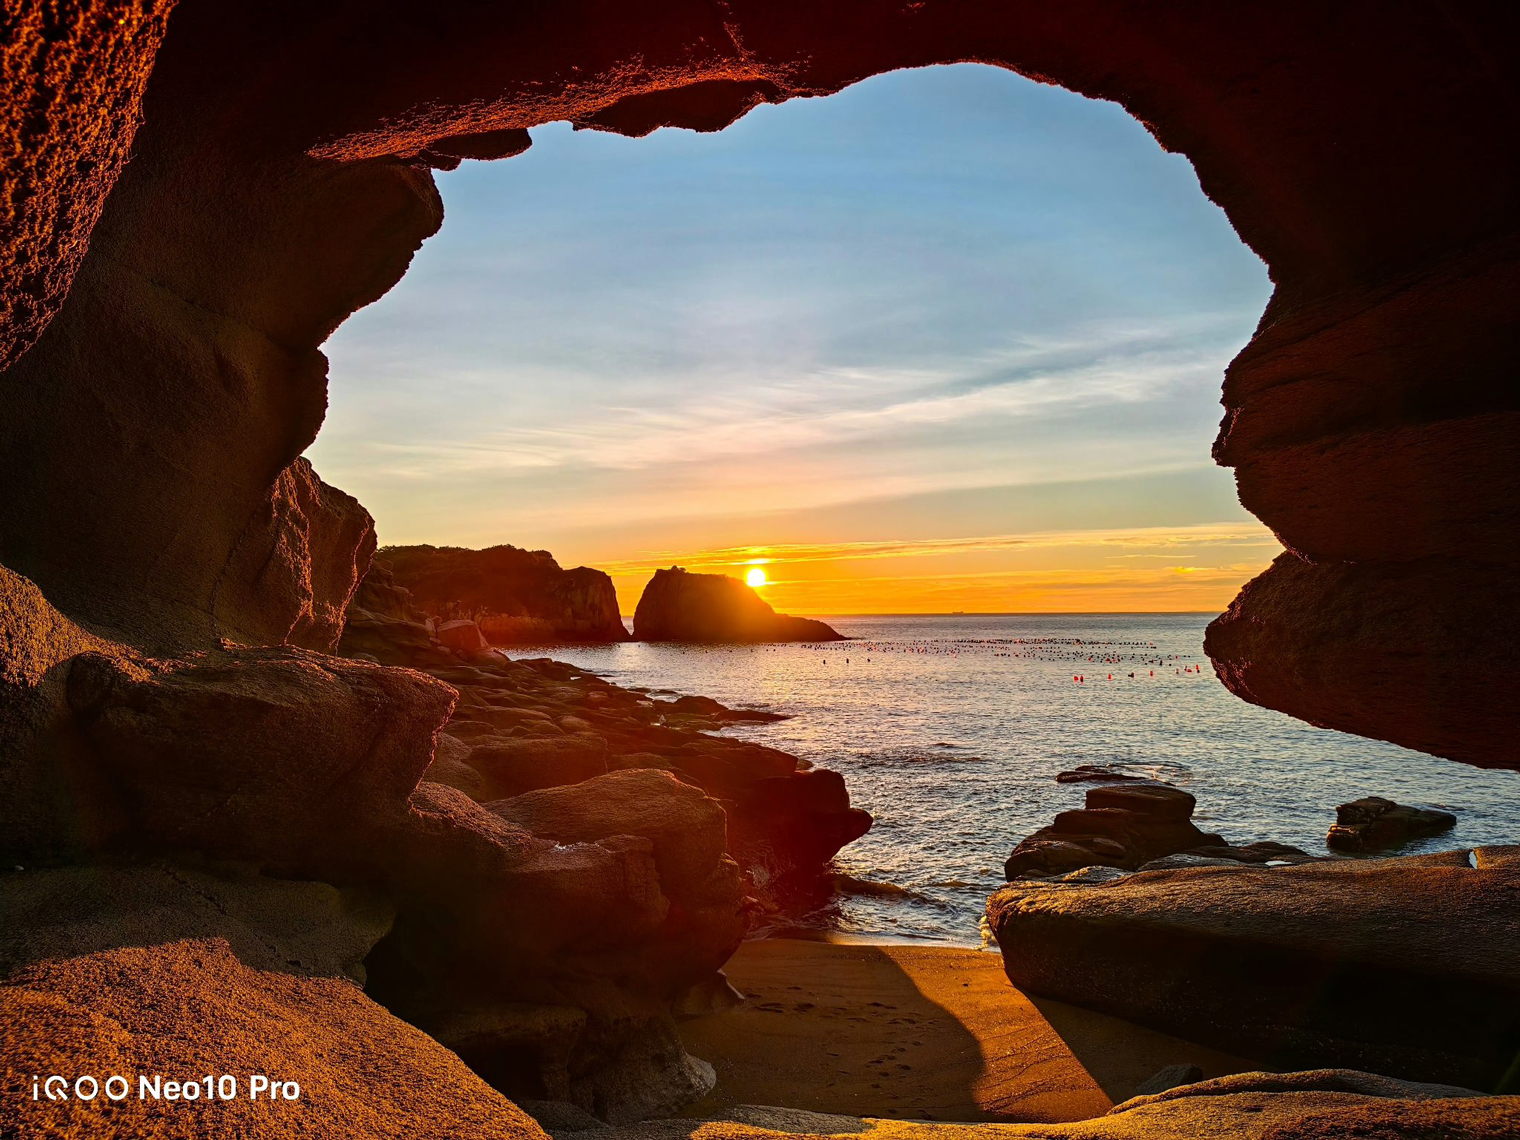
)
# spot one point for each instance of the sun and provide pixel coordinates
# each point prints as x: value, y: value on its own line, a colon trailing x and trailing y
x: 755, y: 577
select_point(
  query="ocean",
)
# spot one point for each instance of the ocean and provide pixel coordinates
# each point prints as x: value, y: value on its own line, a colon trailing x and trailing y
x: 950, y: 730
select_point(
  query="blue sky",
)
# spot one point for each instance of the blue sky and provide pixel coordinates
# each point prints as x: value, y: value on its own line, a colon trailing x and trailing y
x: 939, y: 306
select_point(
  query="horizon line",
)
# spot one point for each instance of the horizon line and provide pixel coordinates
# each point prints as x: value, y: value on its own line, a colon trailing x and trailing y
x: 997, y: 613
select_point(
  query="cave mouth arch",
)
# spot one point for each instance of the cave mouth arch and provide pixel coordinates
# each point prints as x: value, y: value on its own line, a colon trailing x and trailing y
x: 407, y: 331
x: 939, y: 287
x: 277, y: 185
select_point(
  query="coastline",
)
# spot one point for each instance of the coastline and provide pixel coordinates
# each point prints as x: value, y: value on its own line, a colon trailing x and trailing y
x: 918, y: 1032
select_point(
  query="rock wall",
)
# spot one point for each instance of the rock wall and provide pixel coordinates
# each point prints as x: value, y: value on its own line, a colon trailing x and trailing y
x: 517, y: 597
x: 678, y: 605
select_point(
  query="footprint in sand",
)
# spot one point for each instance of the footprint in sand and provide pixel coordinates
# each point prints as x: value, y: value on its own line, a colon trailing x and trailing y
x: 804, y: 1007
x: 772, y: 1007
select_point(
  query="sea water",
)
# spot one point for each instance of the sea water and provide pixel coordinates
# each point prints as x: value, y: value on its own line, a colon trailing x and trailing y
x: 950, y: 730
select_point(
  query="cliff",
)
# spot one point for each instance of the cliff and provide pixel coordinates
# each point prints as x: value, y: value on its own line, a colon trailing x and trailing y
x: 678, y: 605
x: 517, y: 597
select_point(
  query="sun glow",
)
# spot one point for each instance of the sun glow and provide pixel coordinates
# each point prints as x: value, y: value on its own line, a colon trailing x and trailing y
x: 755, y: 577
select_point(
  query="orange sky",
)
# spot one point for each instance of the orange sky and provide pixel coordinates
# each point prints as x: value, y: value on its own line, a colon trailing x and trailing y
x: 1199, y: 567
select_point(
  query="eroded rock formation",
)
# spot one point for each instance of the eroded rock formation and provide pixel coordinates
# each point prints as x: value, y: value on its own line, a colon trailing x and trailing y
x: 517, y: 597
x: 175, y: 304
x: 678, y: 605
x: 1405, y: 966
x: 280, y: 181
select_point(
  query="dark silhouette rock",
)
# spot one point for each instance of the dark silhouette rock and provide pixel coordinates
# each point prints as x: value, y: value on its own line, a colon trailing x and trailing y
x: 1375, y: 824
x: 1408, y: 966
x: 1096, y: 774
x: 1123, y: 825
x: 517, y: 597
x: 678, y: 605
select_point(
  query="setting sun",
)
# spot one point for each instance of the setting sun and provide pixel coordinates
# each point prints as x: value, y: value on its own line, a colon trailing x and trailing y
x: 755, y: 577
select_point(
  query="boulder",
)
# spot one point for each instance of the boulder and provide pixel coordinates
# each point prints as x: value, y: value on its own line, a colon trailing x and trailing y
x: 510, y: 766
x: 1375, y: 824
x: 1324, y: 1104
x: 687, y: 828
x: 461, y: 635
x: 678, y: 605
x: 277, y: 755
x: 1409, y: 966
x: 518, y: 597
x: 1123, y: 825
x: 182, y: 1009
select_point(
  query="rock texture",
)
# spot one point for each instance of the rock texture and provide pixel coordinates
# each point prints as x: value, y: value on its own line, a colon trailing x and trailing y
x: 1376, y: 824
x: 678, y: 605
x: 308, y: 766
x: 1407, y: 966
x: 1325, y: 1104
x: 187, y: 1008
x: 522, y: 726
x: 517, y: 597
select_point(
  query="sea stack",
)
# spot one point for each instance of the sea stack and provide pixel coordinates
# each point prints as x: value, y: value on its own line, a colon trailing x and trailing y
x: 678, y: 605
x: 516, y: 597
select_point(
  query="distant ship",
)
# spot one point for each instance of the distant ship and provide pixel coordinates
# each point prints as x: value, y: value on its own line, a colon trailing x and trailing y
x: 955, y: 613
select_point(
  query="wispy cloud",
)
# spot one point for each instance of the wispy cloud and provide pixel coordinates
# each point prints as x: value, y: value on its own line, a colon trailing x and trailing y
x: 1169, y: 540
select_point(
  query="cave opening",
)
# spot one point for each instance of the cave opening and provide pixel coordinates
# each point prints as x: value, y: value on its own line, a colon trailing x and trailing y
x: 947, y: 341
x: 222, y: 809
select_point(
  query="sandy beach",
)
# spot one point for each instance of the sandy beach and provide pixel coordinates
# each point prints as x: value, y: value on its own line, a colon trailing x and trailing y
x: 919, y: 1032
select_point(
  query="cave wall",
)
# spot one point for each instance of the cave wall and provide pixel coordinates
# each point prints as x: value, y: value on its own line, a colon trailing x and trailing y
x: 281, y: 179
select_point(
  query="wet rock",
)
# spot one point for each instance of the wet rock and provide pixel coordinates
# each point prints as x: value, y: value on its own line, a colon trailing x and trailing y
x: 1124, y: 825
x: 1409, y: 966
x: 1375, y: 824
x: 1095, y: 774
x: 678, y: 605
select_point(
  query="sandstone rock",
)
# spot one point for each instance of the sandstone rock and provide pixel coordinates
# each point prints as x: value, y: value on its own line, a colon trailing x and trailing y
x: 282, y: 925
x: 678, y: 605
x: 462, y: 636
x: 1169, y: 1078
x: 1327, y: 1104
x: 518, y: 597
x: 688, y: 830
x: 276, y: 755
x: 186, y: 1008
x: 1375, y: 824
x: 1407, y: 966
x: 510, y: 767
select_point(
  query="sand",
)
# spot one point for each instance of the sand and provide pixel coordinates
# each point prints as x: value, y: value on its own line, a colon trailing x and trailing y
x: 919, y: 1032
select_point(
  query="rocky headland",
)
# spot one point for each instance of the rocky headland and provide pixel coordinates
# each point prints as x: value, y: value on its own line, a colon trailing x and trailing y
x: 516, y: 597
x: 678, y: 605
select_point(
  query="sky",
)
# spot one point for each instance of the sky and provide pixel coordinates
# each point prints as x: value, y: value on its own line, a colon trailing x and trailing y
x: 946, y: 340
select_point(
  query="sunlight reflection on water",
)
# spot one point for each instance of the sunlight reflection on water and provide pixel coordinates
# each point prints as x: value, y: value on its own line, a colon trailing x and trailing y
x: 950, y: 730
